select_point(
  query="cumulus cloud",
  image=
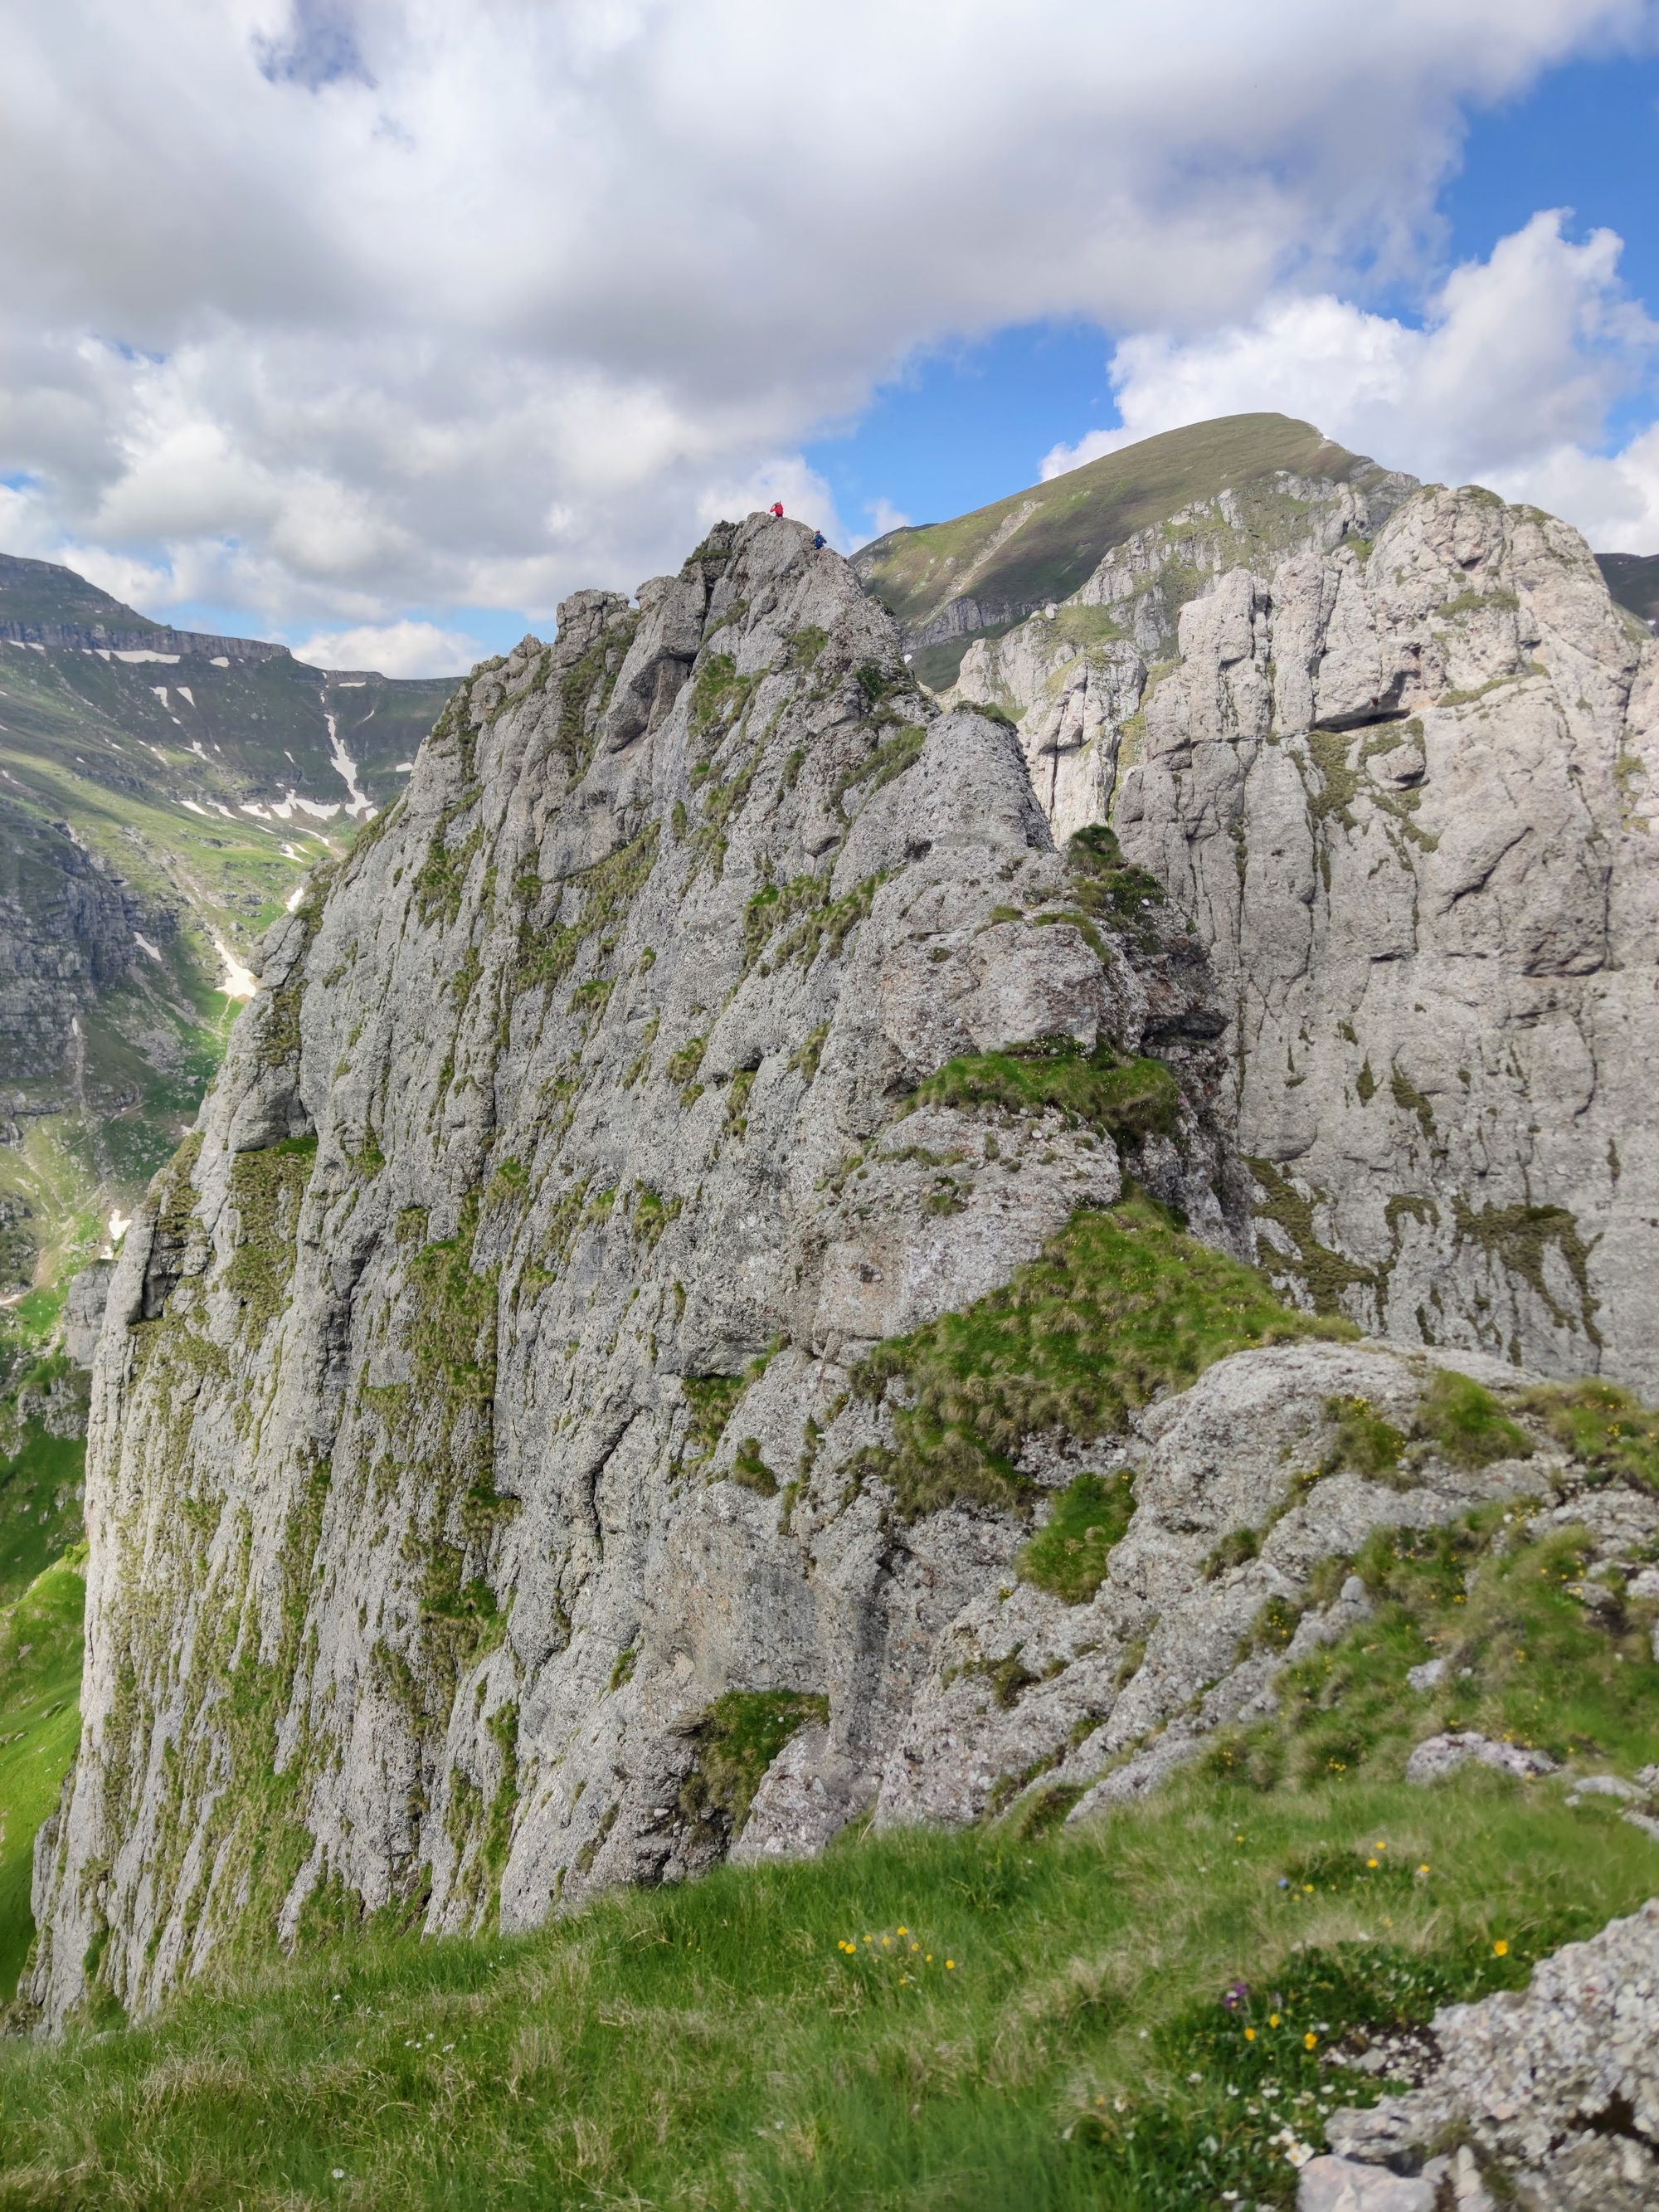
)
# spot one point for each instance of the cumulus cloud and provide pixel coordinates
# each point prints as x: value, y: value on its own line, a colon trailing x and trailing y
x: 323, y: 308
x: 397, y: 648
x: 1509, y: 381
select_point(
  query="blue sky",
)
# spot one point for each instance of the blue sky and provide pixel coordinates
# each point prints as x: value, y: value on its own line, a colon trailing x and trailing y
x: 964, y: 425
x: 380, y: 327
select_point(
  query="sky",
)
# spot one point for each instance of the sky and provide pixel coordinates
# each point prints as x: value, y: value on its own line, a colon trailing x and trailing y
x: 380, y: 325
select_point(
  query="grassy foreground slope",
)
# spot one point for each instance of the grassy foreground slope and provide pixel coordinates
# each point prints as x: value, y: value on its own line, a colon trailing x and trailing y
x: 1143, y: 2012
x: 769, y: 2037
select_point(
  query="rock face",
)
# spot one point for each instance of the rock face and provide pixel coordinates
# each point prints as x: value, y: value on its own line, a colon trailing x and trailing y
x: 67, y: 931
x: 513, y: 1402
x: 1398, y: 777
x: 1555, y: 2087
x: 574, y: 1102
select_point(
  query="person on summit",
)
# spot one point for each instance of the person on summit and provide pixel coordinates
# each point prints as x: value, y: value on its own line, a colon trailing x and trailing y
x: 817, y: 541
x: 777, y: 509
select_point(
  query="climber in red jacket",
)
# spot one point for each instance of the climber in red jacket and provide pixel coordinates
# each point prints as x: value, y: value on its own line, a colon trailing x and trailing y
x: 777, y: 509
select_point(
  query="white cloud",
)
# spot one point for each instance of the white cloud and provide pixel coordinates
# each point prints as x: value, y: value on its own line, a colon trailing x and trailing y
x: 1509, y: 381
x: 884, y: 516
x: 324, y: 310
x: 397, y: 648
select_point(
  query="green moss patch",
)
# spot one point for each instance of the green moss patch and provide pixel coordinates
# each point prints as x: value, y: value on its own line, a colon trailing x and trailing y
x: 1069, y: 1554
x: 267, y: 1188
x: 737, y: 1739
x: 1128, y: 1098
x: 1123, y: 1303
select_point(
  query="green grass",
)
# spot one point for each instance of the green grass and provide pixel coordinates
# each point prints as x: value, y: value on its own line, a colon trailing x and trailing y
x: 739, y: 2041
x: 1128, y: 1099
x: 1121, y: 1304
x: 1070, y: 1553
x: 1467, y: 1423
x: 737, y: 1739
x: 1534, y: 1654
x: 40, y: 1506
x: 40, y: 1727
x: 1606, y: 1428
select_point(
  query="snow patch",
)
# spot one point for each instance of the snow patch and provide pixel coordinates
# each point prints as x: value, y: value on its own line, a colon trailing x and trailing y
x: 359, y: 804
x: 195, y: 809
x: 294, y: 897
x: 238, y: 981
x: 286, y: 807
x: 119, y: 1224
x: 143, y: 942
x: 350, y: 683
x: 404, y: 767
x: 185, y: 692
x: 222, y: 660
x: 169, y: 660
x: 160, y: 691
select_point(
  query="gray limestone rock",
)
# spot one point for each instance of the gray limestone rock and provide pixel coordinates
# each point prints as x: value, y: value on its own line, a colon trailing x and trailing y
x: 83, y: 1310
x: 1556, y: 2087
x: 478, y: 1468
x: 1397, y: 773
x: 1439, y: 1755
x: 1340, y: 2185
x: 565, y: 1162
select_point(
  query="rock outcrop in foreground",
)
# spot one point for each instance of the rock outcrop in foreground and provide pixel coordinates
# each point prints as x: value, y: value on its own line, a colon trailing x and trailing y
x: 1552, y: 2092
x: 700, y: 1183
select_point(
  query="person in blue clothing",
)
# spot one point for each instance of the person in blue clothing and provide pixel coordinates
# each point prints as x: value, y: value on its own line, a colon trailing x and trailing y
x: 817, y: 541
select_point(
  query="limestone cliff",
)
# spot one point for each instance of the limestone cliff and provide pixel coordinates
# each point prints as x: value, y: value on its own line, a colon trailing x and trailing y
x: 1398, y: 777
x: 672, y: 1224
x: 572, y: 1113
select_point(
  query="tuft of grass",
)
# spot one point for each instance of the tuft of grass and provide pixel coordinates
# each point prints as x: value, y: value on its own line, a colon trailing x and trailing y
x: 1362, y: 1439
x: 1468, y: 1424
x: 711, y: 1398
x: 1128, y: 1098
x: 1068, y: 1555
x: 1106, y: 885
x: 1608, y: 1429
x: 1121, y: 1304
x: 737, y: 1739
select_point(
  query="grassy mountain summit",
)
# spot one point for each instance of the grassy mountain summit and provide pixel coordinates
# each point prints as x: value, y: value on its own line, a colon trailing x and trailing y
x: 984, y: 570
x: 32, y: 592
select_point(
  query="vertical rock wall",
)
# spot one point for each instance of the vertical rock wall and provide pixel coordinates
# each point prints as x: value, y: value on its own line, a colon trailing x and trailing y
x: 1401, y: 784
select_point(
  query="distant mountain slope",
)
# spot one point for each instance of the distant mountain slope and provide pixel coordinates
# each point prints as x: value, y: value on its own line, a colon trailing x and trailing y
x: 163, y: 794
x: 977, y: 575
x: 1633, y: 580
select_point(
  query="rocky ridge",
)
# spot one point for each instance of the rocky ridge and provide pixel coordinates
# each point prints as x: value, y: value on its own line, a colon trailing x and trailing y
x: 576, y: 1102
x: 1397, y: 774
x: 564, y: 1367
